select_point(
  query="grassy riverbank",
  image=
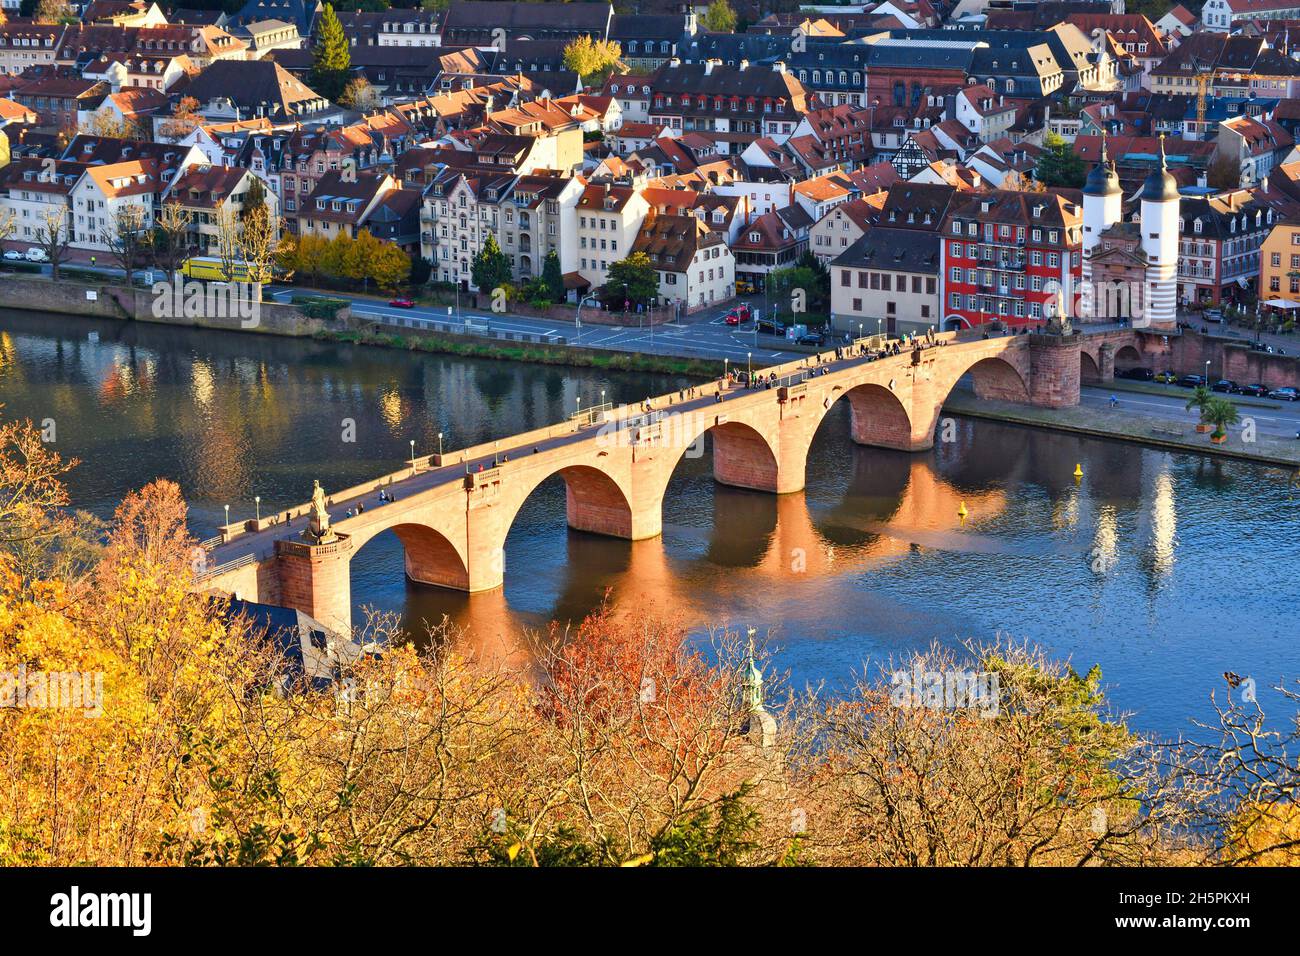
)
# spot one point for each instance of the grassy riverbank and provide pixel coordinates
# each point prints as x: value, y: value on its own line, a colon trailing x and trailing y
x: 1168, y: 433
x: 532, y: 352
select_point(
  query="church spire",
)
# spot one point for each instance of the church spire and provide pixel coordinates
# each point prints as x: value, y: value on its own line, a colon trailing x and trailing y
x: 1102, y: 181
x: 1160, y: 186
x: 760, y: 727
x: 753, y: 680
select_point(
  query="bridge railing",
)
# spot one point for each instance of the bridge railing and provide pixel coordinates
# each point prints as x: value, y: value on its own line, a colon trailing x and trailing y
x: 593, y: 415
x: 239, y: 562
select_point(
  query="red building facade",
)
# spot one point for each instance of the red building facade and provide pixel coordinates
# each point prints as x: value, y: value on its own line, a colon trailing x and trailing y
x: 1006, y: 253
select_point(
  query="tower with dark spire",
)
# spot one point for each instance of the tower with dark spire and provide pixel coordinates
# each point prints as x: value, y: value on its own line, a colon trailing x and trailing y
x: 1102, y: 198
x: 1160, y: 210
x: 1103, y: 205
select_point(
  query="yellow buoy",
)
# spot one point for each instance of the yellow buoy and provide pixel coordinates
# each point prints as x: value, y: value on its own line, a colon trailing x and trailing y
x: 961, y: 511
x: 1078, y: 471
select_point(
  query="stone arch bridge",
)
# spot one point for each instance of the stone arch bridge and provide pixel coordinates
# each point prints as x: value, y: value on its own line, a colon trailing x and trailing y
x: 452, y: 512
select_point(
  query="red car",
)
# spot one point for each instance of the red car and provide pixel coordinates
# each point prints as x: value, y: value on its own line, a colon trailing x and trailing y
x: 402, y: 304
x: 738, y: 315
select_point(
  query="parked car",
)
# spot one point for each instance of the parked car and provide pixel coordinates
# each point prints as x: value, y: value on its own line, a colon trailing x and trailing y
x: 1137, y: 374
x: 744, y: 288
x: 13, y: 254
x: 1285, y: 394
x: 739, y: 315
x: 1224, y: 385
x: 1256, y: 390
x: 37, y: 254
x: 1167, y: 377
x: 1213, y: 315
x: 812, y: 338
x: 401, y: 303
x: 771, y: 326
x: 1192, y: 381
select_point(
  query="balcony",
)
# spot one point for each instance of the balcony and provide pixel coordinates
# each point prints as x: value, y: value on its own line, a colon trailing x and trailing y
x: 995, y: 245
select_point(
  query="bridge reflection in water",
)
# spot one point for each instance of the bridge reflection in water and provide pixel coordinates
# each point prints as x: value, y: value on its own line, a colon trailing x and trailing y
x: 720, y: 547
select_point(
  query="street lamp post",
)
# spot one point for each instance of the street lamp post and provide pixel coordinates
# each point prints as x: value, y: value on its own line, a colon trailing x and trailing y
x: 1207, y: 373
x: 749, y: 366
x: 227, y: 507
x: 257, y: 502
x: 412, y: 456
x: 439, y: 447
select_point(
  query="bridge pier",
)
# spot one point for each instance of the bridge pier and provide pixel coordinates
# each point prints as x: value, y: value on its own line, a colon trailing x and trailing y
x: 316, y: 579
x: 1106, y: 363
x: 1055, y: 370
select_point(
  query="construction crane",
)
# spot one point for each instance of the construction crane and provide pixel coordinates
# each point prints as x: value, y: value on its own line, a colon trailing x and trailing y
x: 1205, y: 78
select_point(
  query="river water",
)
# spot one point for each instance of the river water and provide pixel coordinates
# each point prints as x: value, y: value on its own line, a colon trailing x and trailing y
x: 1165, y: 569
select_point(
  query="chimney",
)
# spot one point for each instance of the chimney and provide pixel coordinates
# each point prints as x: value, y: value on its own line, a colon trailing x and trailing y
x: 675, y: 62
x: 778, y: 66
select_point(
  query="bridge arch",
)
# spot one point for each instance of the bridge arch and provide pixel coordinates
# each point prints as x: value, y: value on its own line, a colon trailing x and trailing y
x: 430, y: 557
x: 997, y: 379
x: 876, y: 417
x: 743, y: 456
x: 1088, y: 370
x: 1127, y: 356
x: 593, y: 501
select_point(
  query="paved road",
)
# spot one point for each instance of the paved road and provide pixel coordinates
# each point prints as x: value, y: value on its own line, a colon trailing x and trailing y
x: 1281, y: 419
x: 702, y: 335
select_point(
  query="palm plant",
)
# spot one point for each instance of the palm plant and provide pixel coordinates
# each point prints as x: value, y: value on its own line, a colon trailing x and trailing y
x: 1220, y: 413
x: 1201, y: 397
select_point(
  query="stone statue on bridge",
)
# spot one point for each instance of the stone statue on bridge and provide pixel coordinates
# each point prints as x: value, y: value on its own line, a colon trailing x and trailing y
x: 318, y: 525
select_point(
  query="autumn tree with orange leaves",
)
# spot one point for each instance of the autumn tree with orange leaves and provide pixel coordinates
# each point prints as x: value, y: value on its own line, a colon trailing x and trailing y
x: 621, y: 741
